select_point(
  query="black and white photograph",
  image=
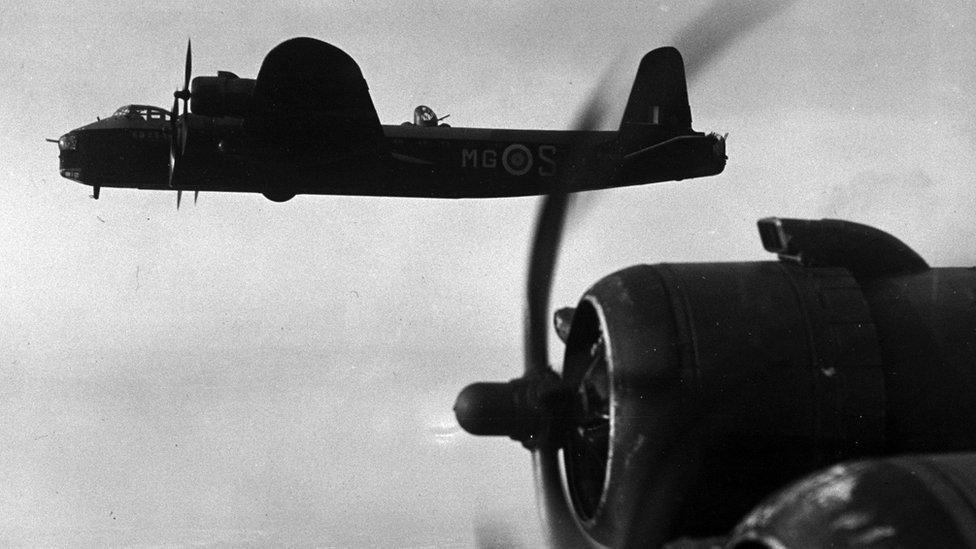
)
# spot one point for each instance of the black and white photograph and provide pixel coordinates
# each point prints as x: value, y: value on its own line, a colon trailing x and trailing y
x: 488, y: 274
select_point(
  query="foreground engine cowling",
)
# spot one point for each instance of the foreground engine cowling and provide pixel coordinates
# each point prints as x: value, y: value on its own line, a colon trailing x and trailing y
x: 909, y: 501
x: 694, y: 390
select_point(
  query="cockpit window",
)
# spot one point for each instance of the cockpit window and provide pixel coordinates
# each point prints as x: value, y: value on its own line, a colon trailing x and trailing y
x: 144, y: 112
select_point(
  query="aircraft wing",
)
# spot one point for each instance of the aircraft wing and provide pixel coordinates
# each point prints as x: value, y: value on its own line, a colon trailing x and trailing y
x: 312, y: 106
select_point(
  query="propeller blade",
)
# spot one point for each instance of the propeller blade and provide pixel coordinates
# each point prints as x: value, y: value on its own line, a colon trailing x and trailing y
x: 545, y: 248
x: 184, y: 94
x: 718, y: 27
x: 196, y: 194
x: 188, y: 70
x: 548, y: 233
x: 173, y: 125
x: 179, y: 198
x: 559, y: 523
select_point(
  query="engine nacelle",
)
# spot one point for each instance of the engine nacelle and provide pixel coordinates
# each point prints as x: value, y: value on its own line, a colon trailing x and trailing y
x: 704, y: 387
x: 908, y: 501
x: 222, y: 95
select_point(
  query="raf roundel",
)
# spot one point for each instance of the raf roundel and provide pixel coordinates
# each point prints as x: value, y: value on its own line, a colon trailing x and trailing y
x: 517, y: 159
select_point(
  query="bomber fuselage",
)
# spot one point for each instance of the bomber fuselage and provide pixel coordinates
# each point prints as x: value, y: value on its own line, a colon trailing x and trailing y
x: 131, y: 149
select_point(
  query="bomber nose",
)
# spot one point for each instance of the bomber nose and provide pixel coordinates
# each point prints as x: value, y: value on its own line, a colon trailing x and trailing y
x: 68, y: 144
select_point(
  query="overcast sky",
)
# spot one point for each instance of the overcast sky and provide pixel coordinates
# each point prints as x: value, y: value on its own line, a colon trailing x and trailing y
x: 244, y: 372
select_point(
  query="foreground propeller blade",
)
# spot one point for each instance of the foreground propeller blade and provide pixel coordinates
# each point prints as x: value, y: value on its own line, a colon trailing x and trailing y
x: 545, y: 248
x: 706, y: 37
x: 559, y: 522
x: 179, y: 198
x: 196, y: 194
x: 545, y: 245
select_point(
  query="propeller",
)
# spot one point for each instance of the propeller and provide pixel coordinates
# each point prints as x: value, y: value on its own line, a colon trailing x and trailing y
x: 539, y: 409
x: 178, y: 122
x: 545, y: 250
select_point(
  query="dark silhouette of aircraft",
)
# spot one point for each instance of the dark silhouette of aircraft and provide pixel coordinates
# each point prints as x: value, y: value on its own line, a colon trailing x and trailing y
x: 307, y: 125
x: 691, y: 392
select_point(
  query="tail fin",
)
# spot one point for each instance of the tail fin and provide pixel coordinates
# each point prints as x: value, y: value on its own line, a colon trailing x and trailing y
x: 660, y: 95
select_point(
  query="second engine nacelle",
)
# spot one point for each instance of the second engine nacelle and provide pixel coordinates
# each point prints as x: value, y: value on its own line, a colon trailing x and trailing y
x: 222, y: 95
x: 907, y: 501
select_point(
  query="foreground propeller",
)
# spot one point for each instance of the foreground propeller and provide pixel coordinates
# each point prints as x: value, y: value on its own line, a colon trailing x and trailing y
x: 540, y: 409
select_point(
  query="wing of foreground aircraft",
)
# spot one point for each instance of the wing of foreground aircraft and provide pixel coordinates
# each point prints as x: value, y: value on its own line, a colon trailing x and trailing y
x: 307, y: 125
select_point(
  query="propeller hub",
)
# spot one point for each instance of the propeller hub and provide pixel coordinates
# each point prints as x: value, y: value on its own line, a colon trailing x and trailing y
x: 528, y: 409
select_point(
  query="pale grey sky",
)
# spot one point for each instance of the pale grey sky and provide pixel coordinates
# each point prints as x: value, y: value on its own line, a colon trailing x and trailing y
x: 248, y: 372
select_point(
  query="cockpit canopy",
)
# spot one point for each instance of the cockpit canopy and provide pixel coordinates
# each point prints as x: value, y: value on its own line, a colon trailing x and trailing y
x: 145, y: 112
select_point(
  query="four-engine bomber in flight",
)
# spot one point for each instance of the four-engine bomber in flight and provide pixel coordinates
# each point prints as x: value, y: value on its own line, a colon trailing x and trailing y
x: 307, y: 125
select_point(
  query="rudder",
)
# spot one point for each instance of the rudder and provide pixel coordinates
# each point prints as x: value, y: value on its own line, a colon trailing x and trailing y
x: 659, y: 96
